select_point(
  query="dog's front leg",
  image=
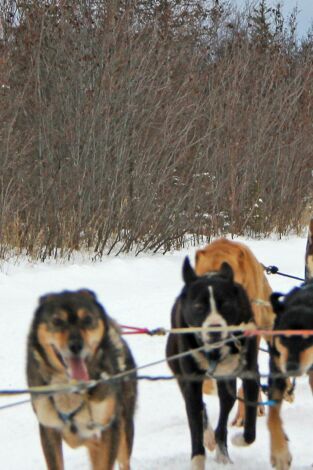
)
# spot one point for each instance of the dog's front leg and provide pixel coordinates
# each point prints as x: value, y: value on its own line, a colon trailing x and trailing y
x: 46, y: 413
x: 250, y: 397
x: 51, y: 442
x: 227, y: 398
x: 280, y: 455
x: 192, y: 393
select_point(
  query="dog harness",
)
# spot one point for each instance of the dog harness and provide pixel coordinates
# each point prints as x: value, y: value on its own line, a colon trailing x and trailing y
x: 68, y: 418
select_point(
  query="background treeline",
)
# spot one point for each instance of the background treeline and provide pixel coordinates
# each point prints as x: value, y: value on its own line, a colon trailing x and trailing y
x: 128, y: 124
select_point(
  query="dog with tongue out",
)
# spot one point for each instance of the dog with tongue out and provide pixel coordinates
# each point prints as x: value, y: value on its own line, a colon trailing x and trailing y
x: 72, y: 340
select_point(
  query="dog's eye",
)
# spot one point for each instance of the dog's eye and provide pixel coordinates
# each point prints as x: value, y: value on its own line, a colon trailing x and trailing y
x: 198, y: 308
x: 58, y: 322
x: 87, y: 321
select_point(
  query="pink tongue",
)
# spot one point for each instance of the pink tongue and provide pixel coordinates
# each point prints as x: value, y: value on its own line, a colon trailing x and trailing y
x: 78, y: 369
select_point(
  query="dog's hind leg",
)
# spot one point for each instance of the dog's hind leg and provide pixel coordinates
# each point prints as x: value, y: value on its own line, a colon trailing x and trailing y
x: 192, y: 392
x: 51, y: 442
x: 227, y: 398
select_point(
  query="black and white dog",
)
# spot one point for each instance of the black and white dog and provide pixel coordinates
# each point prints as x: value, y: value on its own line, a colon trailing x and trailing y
x: 213, y: 300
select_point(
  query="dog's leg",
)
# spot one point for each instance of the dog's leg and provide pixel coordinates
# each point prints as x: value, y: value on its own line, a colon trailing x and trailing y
x: 289, y: 392
x: 250, y: 394
x: 240, y: 414
x: 192, y: 393
x: 280, y: 455
x: 239, y: 419
x: 125, y: 445
x: 103, y: 452
x: 209, y: 387
x: 208, y: 432
x: 51, y: 442
x: 227, y: 397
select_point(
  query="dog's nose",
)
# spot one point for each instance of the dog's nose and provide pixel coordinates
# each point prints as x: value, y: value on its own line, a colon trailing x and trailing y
x: 75, y: 344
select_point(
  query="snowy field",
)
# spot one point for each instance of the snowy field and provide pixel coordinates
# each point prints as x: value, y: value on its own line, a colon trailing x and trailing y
x: 137, y: 291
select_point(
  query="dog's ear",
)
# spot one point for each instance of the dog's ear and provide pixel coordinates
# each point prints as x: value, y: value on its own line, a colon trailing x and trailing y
x: 89, y: 294
x: 227, y: 271
x: 277, y: 304
x: 189, y: 275
x: 199, y: 254
x: 46, y: 298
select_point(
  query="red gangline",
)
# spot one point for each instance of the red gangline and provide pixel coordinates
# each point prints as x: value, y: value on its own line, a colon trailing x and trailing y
x: 134, y: 330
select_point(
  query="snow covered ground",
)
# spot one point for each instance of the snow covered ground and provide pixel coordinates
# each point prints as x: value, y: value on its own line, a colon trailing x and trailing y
x: 136, y: 291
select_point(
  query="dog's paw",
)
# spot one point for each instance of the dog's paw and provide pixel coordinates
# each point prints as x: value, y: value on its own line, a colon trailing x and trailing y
x: 281, y: 460
x: 238, y: 440
x: 222, y: 456
x: 289, y: 392
x: 238, y: 422
x: 261, y: 410
x: 289, y: 396
x: 209, y: 439
x: 198, y: 462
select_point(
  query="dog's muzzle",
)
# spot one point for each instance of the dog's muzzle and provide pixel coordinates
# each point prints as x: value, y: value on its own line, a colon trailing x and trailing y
x: 212, y: 337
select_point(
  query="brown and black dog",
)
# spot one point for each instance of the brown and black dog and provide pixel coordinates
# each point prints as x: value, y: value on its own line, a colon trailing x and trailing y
x: 309, y: 253
x: 250, y: 274
x: 73, y: 339
x: 289, y: 355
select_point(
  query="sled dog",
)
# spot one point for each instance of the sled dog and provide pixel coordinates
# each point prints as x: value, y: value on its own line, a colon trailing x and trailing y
x: 73, y: 340
x: 291, y: 355
x: 214, y: 300
x: 247, y: 271
x: 250, y: 274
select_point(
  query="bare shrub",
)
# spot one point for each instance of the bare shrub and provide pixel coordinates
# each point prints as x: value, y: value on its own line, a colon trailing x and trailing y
x: 128, y: 125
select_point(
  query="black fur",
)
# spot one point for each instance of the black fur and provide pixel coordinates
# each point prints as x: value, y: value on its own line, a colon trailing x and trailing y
x: 191, y: 309
x: 294, y: 311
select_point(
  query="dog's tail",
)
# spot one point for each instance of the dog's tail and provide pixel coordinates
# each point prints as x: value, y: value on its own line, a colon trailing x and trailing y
x: 309, y: 254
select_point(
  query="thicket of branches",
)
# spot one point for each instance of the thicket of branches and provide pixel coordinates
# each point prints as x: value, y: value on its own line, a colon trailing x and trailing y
x: 129, y: 123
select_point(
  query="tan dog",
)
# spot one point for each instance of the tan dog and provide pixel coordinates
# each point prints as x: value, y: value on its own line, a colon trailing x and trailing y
x: 250, y: 274
x: 73, y: 339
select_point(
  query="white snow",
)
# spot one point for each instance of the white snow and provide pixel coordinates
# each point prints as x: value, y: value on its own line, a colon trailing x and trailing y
x: 137, y: 291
